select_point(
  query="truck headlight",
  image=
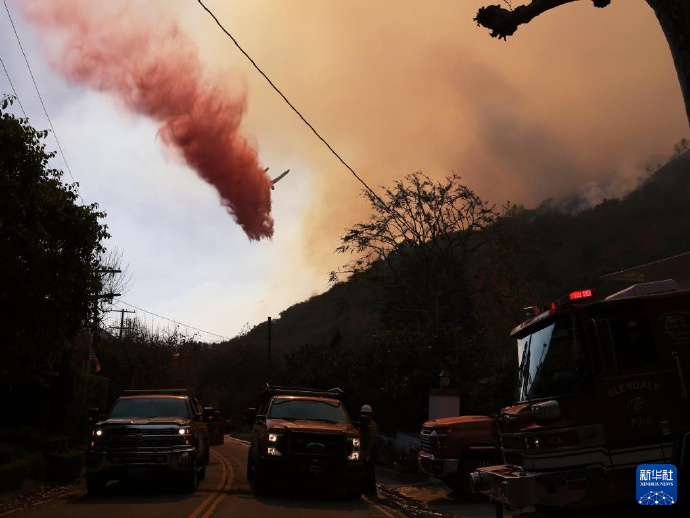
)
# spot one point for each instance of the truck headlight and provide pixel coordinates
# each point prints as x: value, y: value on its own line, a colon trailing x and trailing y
x: 97, y: 432
x: 184, y: 431
x: 273, y: 437
x: 273, y: 451
x: 354, y: 448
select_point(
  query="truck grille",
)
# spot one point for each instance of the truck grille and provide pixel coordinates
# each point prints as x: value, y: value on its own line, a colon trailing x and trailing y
x: 304, y: 443
x: 120, y: 431
x: 511, y: 442
x: 141, y: 438
x: 426, y: 443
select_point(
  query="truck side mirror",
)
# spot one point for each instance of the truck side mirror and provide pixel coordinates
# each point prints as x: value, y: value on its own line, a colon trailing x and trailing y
x: 92, y: 415
x: 209, y: 414
x: 250, y: 415
x: 546, y: 410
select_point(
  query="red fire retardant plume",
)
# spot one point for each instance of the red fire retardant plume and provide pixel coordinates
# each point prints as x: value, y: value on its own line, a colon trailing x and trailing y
x: 155, y: 70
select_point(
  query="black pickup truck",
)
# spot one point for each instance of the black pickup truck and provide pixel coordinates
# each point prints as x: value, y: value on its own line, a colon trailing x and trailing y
x: 303, y: 436
x: 148, y: 432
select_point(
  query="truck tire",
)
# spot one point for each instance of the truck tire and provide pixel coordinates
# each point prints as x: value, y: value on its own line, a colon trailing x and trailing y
x: 250, y: 467
x: 95, y: 484
x: 261, y: 485
x: 190, y: 480
x: 354, y: 492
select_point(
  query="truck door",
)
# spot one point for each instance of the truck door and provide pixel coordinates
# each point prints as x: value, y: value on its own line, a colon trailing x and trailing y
x: 634, y: 388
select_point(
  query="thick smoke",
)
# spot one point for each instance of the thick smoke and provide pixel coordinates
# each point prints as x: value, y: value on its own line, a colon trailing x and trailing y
x: 156, y: 71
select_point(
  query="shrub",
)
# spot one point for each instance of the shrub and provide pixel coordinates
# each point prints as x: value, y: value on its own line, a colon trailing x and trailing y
x: 41, y: 440
x: 6, y: 453
x: 65, y: 466
x: 12, y: 474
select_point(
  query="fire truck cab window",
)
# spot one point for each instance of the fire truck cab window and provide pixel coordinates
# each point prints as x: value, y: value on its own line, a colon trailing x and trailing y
x: 553, y: 361
x: 627, y: 341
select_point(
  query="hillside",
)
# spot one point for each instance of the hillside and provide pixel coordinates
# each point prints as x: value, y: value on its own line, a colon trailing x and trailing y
x: 560, y: 252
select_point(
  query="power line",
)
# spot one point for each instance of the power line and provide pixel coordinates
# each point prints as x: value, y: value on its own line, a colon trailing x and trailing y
x: 16, y: 95
x: 173, y: 321
x: 289, y: 103
x: 64, y: 159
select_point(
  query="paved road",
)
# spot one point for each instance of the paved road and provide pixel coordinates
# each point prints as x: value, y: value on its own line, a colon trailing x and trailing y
x: 225, y: 492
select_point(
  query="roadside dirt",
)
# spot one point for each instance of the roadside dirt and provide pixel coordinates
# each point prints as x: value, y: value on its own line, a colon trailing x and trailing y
x: 33, y: 492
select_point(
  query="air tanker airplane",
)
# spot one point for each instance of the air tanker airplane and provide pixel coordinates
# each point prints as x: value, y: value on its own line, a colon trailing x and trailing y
x: 279, y: 177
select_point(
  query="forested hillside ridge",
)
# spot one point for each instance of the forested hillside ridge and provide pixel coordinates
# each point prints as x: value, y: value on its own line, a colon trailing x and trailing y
x: 570, y: 251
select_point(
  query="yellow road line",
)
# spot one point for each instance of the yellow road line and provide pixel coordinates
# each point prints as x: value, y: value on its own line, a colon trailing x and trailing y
x: 228, y: 484
x: 215, y: 494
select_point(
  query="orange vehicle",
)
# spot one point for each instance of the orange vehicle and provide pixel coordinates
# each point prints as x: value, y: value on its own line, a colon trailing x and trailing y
x: 601, y: 389
x: 453, y: 447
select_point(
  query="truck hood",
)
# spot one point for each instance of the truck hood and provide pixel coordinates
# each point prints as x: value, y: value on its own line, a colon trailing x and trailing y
x: 311, y: 426
x: 462, y: 421
x: 139, y: 421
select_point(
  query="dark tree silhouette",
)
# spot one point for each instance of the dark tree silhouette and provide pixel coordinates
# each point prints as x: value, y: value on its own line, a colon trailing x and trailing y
x: 49, y: 250
x: 418, y: 245
x: 673, y: 16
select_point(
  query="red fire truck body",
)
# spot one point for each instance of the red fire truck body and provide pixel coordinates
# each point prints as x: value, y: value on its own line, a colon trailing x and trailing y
x: 602, y: 388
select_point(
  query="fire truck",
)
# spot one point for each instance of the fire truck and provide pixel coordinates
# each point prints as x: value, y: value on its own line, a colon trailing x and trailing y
x: 601, y: 389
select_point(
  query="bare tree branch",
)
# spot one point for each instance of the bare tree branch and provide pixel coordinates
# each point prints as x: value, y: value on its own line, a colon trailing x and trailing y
x: 504, y: 22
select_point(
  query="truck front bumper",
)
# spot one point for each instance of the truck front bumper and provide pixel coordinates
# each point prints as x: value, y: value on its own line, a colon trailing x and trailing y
x: 174, y: 460
x: 520, y: 489
x: 435, y: 467
x: 311, y: 472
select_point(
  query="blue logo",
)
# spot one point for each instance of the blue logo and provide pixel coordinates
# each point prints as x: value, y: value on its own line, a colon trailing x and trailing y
x: 657, y: 484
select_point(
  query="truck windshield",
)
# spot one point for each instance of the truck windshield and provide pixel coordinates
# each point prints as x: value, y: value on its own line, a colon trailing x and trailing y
x: 552, y: 361
x: 308, y: 410
x: 150, y: 407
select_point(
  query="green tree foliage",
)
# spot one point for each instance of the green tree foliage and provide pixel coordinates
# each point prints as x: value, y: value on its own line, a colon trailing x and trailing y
x: 49, y: 250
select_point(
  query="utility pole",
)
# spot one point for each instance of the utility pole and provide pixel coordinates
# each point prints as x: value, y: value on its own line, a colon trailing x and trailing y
x: 122, y: 319
x: 269, y: 351
x: 94, y: 324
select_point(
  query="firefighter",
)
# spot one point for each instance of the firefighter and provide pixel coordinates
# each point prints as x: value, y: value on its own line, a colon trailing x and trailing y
x: 369, y: 432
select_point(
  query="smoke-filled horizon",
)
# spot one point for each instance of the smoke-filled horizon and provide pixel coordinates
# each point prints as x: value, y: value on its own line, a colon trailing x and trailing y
x: 580, y: 96
x: 576, y: 101
x: 154, y: 70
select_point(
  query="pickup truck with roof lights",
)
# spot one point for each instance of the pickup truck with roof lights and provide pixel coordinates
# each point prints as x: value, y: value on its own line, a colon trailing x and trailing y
x: 303, y: 436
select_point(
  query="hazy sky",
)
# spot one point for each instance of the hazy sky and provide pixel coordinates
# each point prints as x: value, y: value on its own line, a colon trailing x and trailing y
x: 579, y: 97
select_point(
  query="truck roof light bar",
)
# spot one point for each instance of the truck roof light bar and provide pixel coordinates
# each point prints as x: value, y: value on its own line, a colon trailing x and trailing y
x: 574, y: 296
x: 581, y: 294
x: 167, y: 392
x: 336, y: 393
